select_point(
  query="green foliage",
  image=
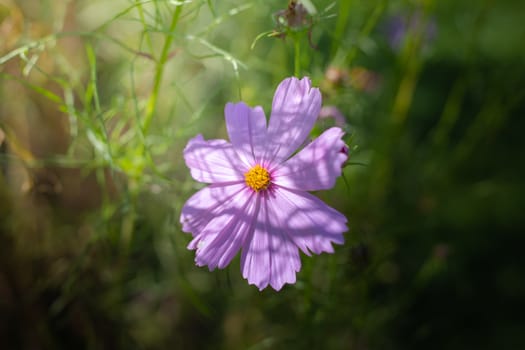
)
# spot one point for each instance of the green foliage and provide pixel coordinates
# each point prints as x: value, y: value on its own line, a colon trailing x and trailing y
x: 100, y: 97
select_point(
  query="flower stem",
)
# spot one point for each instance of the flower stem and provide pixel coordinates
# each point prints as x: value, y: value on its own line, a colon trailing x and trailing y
x: 152, y: 102
x: 297, y: 56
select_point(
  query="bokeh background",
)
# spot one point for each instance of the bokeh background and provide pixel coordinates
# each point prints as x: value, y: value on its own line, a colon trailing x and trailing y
x: 98, y: 99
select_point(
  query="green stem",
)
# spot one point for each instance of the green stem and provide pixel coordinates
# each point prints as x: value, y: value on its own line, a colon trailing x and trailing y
x: 143, y: 20
x: 297, y: 54
x: 152, y: 102
x: 129, y: 220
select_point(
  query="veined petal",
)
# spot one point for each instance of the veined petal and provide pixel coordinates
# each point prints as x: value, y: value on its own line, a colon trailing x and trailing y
x: 224, y: 235
x: 255, y: 259
x: 295, y: 108
x: 311, y: 224
x: 213, y: 161
x: 266, y: 212
x: 247, y: 130
x: 204, y: 205
x: 269, y: 257
x: 316, y: 166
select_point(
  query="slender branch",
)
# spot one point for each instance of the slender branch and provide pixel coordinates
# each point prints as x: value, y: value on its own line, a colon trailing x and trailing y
x: 152, y: 102
x: 297, y: 58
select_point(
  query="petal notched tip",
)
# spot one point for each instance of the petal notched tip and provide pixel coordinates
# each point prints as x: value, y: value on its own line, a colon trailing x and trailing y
x: 271, y: 231
x: 295, y: 108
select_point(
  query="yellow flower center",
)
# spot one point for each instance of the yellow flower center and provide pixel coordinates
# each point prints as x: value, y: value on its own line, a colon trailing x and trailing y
x: 257, y: 178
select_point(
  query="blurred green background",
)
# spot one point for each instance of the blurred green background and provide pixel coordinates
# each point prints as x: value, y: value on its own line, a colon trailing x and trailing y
x: 98, y: 99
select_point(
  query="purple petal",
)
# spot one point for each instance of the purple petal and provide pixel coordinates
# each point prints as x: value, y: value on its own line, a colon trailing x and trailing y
x: 295, y: 108
x: 247, y: 130
x: 204, y: 205
x: 223, y: 236
x: 269, y: 257
x: 315, y: 167
x: 311, y: 224
x: 333, y: 112
x: 213, y: 161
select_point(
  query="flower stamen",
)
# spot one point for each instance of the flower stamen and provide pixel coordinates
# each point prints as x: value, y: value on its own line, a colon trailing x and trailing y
x: 257, y: 178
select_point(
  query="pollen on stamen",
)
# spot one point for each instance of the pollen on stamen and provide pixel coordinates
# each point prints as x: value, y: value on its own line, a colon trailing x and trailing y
x: 257, y: 178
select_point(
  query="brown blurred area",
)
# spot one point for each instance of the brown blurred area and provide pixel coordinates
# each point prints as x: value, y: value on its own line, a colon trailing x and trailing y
x: 34, y: 126
x: 42, y: 205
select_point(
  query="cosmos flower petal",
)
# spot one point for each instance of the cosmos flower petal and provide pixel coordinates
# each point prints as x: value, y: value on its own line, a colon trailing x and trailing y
x: 255, y: 260
x: 311, y: 224
x: 315, y: 167
x: 213, y: 161
x: 285, y: 260
x: 203, y: 206
x: 224, y: 235
x: 269, y: 257
x: 247, y: 130
x: 295, y: 108
x: 257, y: 201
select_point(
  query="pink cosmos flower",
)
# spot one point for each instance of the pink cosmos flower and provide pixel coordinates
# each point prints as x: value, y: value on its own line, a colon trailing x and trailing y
x: 257, y: 201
